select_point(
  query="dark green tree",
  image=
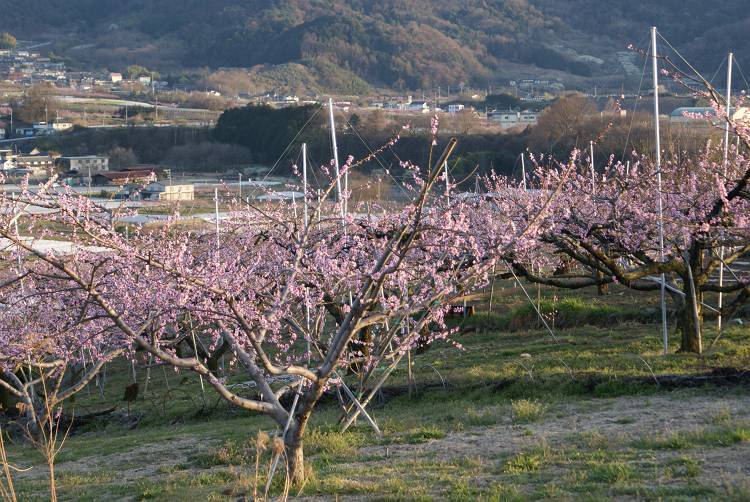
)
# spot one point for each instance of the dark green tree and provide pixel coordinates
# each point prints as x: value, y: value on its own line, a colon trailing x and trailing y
x: 7, y: 41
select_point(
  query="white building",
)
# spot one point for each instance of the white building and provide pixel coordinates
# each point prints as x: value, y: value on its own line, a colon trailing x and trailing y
x: 509, y: 119
x: 7, y: 160
x: 44, y: 128
x: 418, y: 106
x: 455, y: 108
x: 162, y: 191
x: 85, y: 163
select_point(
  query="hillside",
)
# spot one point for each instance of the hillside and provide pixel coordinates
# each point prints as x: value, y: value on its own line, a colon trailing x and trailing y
x: 347, y: 45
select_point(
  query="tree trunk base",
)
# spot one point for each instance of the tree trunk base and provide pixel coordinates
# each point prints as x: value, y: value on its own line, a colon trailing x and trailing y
x: 296, y: 460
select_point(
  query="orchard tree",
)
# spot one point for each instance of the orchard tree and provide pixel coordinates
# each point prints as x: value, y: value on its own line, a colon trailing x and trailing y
x: 48, y: 352
x: 288, y: 296
x: 610, y: 223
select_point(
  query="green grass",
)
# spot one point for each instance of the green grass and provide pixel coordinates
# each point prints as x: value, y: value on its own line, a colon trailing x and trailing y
x: 527, y: 410
x: 515, y: 380
x: 610, y: 473
x: 524, y: 462
x: 684, y: 440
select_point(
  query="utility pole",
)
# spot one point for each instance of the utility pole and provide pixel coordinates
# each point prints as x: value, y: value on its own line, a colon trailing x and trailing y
x: 335, y: 156
x: 447, y: 183
x: 216, y: 215
x: 655, y: 72
x: 304, y: 181
x: 730, y: 63
x: 593, y: 171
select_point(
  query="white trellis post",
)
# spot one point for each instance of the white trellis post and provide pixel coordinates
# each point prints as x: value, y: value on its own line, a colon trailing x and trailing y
x: 663, y: 299
x: 730, y: 63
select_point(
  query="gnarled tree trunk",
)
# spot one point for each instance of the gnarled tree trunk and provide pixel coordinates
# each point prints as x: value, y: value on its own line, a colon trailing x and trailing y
x: 293, y: 443
x: 296, y: 458
x: 690, y: 321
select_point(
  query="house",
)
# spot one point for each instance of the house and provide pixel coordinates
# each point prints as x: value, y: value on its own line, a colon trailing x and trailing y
x: 44, y: 128
x: 25, y: 132
x: 36, y: 162
x: 84, y: 163
x: 121, y: 178
x: 344, y: 106
x: 455, y: 108
x: 418, y: 106
x: 7, y: 160
x: 144, y: 79
x: 115, y: 78
x: 509, y: 119
x: 161, y: 191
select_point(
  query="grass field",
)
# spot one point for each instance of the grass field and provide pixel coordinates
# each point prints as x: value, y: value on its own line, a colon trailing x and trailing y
x: 513, y: 415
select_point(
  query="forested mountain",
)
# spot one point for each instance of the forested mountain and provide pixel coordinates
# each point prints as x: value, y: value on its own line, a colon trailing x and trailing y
x: 409, y: 44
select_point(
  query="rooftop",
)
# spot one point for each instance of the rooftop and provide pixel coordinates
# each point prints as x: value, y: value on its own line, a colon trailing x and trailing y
x: 123, y: 175
x: 82, y: 157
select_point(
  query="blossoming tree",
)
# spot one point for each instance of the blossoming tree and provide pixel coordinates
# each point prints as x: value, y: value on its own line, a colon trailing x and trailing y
x: 287, y: 292
x: 609, y: 222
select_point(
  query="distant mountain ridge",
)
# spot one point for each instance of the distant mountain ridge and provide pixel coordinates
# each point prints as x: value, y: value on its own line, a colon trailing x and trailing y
x: 413, y: 44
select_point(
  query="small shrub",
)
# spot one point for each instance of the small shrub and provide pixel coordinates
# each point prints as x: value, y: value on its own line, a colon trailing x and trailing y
x: 728, y: 437
x: 685, y: 466
x: 721, y: 416
x: 610, y: 473
x: 523, y: 462
x: 527, y: 410
x: 150, y: 491
x: 673, y: 441
x: 424, y: 434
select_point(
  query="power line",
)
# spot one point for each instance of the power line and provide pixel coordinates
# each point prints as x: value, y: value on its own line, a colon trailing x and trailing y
x: 374, y: 155
x: 291, y: 143
x: 635, y: 107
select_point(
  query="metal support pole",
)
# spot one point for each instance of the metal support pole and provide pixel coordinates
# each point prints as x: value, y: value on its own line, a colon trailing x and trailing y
x: 730, y: 63
x: 593, y: 172
x: 663, y: 299
x: 335, y: 157
x: 216, y: 214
